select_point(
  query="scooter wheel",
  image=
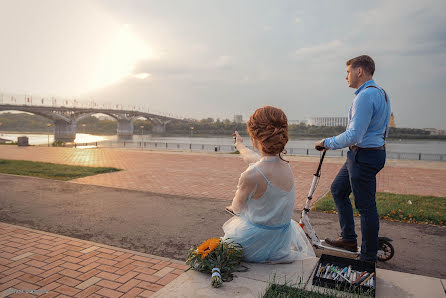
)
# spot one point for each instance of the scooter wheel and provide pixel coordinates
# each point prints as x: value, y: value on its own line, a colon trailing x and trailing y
x: 385, y: 250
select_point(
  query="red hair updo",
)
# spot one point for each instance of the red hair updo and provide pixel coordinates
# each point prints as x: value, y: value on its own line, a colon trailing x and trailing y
x: 269, y: 126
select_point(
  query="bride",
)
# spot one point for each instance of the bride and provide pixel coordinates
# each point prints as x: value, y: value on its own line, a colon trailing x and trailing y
x: 264, y: 201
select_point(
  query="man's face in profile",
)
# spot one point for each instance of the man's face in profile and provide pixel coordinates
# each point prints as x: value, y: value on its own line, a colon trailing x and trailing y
x: 352, y: 76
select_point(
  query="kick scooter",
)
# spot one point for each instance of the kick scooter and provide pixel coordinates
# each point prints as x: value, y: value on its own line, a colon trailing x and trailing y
x: 385, y: 248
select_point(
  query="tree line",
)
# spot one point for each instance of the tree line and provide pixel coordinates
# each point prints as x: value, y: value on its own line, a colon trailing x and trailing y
x: 24, y: 122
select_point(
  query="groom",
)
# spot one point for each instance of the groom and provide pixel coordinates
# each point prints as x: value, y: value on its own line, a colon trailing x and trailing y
x: 365, y: 136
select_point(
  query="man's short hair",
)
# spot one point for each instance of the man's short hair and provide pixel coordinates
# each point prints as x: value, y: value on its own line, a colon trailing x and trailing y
x: 365, y: 62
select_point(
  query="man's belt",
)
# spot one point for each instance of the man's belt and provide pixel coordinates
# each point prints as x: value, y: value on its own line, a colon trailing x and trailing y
x: 354, y: 147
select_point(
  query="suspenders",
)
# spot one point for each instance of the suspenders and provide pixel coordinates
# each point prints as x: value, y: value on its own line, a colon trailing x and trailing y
x: 385, y: 96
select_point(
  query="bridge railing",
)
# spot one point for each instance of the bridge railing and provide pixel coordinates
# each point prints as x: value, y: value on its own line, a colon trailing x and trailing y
x: 57, y: 102
x: 194, y: 147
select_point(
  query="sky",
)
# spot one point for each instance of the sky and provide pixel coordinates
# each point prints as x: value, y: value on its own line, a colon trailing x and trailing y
x: 215, y: 59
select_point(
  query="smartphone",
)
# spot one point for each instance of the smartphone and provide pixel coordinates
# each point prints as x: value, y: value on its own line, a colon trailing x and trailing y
x: 230, y: 211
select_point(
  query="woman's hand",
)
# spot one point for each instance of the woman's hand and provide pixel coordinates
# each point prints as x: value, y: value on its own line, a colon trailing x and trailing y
x: 237, y: 138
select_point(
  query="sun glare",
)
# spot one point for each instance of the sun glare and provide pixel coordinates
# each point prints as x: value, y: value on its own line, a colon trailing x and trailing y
x: 119, y: 58
x: 142, y: 76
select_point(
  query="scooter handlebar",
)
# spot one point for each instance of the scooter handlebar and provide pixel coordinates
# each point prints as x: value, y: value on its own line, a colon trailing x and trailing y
x: 320, y: 162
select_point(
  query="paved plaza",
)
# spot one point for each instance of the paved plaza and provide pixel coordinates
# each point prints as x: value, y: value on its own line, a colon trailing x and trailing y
x: 71, y: 267
x: 215, y: 176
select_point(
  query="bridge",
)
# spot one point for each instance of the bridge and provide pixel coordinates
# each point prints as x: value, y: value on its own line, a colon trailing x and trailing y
x: 65, y: 119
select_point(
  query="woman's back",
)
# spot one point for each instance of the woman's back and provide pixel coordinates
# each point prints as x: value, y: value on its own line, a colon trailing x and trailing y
x: 265, y: 195
x: 272, y: 200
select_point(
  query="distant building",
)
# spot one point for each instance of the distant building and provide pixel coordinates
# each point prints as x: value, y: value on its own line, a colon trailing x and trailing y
x: 295, y: 122
x: 435, y: 132
x: 238, y: 118
x: 328, y: 121
x: 392, y: 121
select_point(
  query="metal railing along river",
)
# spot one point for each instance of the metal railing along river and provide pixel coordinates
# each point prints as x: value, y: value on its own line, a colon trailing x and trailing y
x: 151, y: 145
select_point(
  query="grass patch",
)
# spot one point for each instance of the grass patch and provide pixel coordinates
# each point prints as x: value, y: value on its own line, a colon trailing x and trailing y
x: 275, y: 290
x: 399, y: 207
x: 286, y: 291
x: 49, y: 170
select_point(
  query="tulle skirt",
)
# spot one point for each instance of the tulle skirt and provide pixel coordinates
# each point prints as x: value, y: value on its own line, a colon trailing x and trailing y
x: 266, y: 244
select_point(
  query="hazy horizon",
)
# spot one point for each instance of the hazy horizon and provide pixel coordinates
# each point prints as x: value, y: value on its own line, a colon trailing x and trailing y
x: 202, y: 59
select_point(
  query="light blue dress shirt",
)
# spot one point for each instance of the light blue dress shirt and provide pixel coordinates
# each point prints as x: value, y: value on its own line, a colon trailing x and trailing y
x: 368, y: 120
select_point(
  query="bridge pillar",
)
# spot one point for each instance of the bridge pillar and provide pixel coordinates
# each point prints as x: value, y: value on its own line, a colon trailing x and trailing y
x: 64, y: 131
x: 125, y: 128
x: 159, y: 126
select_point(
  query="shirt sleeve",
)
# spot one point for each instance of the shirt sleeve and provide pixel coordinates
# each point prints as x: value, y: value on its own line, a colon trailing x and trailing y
x: 362, y: 111
x: 248, y: 155
x: 246, y: 186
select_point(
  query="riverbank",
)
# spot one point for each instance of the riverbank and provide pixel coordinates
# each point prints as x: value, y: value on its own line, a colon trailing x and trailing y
x: 242, y: 132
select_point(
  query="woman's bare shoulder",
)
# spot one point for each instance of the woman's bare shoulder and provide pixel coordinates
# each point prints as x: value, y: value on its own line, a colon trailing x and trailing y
x: 249, y: 175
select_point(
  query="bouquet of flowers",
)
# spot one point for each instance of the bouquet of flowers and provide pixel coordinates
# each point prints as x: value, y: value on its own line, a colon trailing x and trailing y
x: 217, y: 257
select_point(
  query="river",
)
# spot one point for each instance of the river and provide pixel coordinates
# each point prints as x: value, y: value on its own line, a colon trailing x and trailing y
x: 393, y: 145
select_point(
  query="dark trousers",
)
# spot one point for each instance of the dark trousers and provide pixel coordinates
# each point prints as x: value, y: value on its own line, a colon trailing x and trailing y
x: 358, y: 175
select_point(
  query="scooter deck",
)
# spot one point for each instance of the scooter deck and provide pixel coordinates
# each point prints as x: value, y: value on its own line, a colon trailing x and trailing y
x: 322, y: 246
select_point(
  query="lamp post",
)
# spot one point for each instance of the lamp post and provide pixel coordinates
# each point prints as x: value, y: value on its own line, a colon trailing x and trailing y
x: 83, y: 127
x: 191, y: 131
x: 142, y: 127
x: 48, y: 125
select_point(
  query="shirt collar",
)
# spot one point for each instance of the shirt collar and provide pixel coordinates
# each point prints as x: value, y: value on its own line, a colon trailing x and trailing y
x: 366, y: 84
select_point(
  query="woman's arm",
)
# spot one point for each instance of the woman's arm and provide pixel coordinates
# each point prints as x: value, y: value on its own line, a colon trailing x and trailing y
x: 247, y: 154
x: 246, y: 185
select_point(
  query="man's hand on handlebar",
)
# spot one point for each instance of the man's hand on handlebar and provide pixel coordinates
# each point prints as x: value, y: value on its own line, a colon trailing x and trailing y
x: 319, y: 146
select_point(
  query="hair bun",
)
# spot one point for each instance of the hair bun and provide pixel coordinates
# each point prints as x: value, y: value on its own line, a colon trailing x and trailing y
x: 269, y: 126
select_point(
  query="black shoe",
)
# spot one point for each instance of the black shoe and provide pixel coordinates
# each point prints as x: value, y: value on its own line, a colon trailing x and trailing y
x: 341, y: 243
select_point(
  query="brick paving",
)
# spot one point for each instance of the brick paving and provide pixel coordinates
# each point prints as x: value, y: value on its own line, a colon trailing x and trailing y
x: 215, y: 176
x: 53, y: 265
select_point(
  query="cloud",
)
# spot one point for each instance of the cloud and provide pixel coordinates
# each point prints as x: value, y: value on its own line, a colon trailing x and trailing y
x: 223, y: 61
x: 317, y: 50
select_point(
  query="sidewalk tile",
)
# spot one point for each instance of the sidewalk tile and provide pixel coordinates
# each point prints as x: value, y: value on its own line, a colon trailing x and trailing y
x: 88, y: 283
x: 394, y: 284
x: 108, y: 275
x: 109, y: 293
x: 88, y: 291
x: 126, y: 277
x: 68, y: 281
x: 22, y: 256
x: 90, y: 249
x: 167, y: 279
x: 46, y: 281
x: 88, y: 274
x: 147, y: 293
x: 31, y: 278
x: 67, y: 290
x: 128, y: 285
x: 51, y: 271
x: 163, y: 271
x: 133, y: 293
x: 147, y: 277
